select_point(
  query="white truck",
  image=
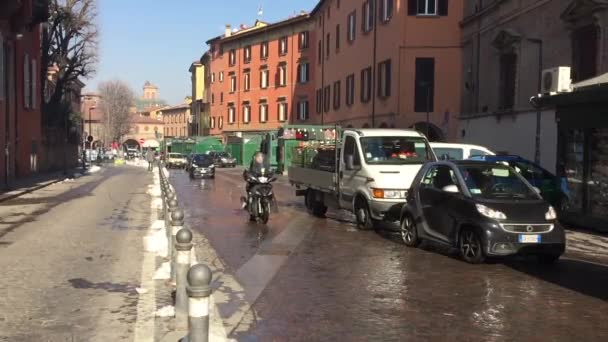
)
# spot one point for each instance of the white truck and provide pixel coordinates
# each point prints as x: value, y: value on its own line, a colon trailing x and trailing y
x: 373, y: 171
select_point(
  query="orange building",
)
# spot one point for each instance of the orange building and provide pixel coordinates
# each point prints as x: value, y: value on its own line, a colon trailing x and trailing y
x: 384, y: 63
x: 261, y: 77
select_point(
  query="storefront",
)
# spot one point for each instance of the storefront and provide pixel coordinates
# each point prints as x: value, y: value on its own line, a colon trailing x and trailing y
x: 582, y: 153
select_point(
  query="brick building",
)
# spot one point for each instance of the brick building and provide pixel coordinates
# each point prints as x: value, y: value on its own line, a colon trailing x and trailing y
x: 384, y: 63
x: 507, y: 44
x: 261, y: 77
x: 20, y: 87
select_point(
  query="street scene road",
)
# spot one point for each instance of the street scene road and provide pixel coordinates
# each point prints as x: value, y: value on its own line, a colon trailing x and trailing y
x: 321, y: 279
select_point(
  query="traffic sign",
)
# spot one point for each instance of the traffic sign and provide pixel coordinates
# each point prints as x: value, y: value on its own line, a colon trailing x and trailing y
x: 142, y: 140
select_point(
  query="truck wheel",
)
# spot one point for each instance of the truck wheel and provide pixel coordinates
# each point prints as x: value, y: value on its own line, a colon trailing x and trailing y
x: 309, y: 200
x: 363, y: 215
x: 313, y: 206
x: 319, y: 209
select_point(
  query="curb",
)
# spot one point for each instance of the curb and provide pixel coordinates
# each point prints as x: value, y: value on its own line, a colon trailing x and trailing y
x: 8, y: 196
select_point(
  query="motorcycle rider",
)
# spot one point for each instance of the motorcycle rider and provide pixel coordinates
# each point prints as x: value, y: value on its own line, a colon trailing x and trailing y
x: 257, y: 168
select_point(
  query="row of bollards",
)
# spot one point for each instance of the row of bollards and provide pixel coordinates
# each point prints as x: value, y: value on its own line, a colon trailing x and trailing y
x: 192, y: 283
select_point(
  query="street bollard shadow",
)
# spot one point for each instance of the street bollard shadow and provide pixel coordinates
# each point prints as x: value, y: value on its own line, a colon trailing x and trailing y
x: 587, y: 278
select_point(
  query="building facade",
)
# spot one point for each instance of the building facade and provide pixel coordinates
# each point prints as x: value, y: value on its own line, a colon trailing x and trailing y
x: 199, y: 108
x: 145, y: 132
x: 506, y: 46
x: 20, y: 87
x: 176, y: 121
x: 261, y: 77
x: 388, y: 63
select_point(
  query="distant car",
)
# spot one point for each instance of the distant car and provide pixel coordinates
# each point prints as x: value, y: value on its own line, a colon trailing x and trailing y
x: 176, y: 160
x: 482, y: 209
x: 449, y: 151
x: 223, y: 159
x: 132, y: 153
x: 202, y: 166
x: 551, y: 187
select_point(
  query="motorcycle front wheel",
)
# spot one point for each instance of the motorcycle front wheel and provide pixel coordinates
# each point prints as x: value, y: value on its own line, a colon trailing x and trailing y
x: 264, y: 214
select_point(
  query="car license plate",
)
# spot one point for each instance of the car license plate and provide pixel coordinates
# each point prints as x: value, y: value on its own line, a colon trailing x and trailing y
x: 529, y: 238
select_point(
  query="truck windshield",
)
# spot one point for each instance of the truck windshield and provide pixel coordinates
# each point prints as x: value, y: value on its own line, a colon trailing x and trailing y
x: 395, y: 150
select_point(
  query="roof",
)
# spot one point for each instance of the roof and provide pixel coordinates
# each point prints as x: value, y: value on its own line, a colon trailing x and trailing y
x: 139, y: 119
x: 385, y: 132
x: 594, y: 81
x: 317, y: 7
x: 180, y: 106
x: 252, y: 31
x: 593, y: 90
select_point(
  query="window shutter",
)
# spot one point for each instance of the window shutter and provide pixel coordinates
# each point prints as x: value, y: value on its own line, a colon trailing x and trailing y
x: 299, y: 75
x: 26, y: 81
x: 412, y: 7
x: 363, y: 15
x: 2, y: 71
x: 442, y: 7
x: 388, y: 79
x: 307, y: 72
x: 33, y: 74
x: 390, y: 8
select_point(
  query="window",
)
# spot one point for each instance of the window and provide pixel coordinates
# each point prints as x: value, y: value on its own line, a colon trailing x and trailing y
x: 222, y: 97
x: 27, y: 82
x: 337, y: 94
x: 350, y: 149
x: 33, y: 83
x: 283, y: 46
x: 320, y: 51
x: 247, y: 81
x: 303, y: 40
x: 212, y: 122
x: 220, y: 122
x: 352, y: 24
x: 232, y: 57
x: 338, y: 4
x: 384, y: 79
x: 303, y: 73
x: 584, y: 53
x: 386, y: 10
x: 221, y: 76
x: 327, y: 45
x: 282, y: 110
x: 425, y: 85
x: 232, y: 84
x: 326, y: 98
x: 337, y: 37
x: 319, y: 101
x: 212, y: 98
x: 212, y: 77
x: 2, y: 71
x: 264, y: 78
x: 303, y: 110
x: 282, y: 73
x: 246, y: 113
x: 264, y: 50
x: 231, y: 114
x: 366, y: 84
x: 506, y: 85
x: 368, y: 16
x: 350, y: 90
x: 247, y: 54
x: 428, y: 7
x: 263, y: 112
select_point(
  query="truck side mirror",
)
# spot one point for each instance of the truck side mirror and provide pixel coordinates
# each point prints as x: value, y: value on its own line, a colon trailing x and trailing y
x: 350, y: 162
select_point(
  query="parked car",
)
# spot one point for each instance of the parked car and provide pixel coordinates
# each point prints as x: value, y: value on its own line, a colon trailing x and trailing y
x: 176, y: 160
x: 223, y: 159
x: 132, y: 153
x: 482, y: 209
x: 449, y: 151
x: 551, y: 187
x: 202, y: 166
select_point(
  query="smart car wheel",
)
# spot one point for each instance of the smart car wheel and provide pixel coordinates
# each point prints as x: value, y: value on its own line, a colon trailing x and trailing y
x: 470, y: 246
x: 408, y: 232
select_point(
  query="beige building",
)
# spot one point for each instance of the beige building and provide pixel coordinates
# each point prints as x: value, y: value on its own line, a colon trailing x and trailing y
x: 506, y: 45
x: 176, y: 120
x: 145, y: 132
x: 199, y: 108
x: 150, y: 91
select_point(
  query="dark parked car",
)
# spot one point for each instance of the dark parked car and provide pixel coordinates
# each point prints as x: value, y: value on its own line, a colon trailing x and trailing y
x: 223, y: 159
x: 202, y: 166
x: 553, y: 189
x: 482, y: 209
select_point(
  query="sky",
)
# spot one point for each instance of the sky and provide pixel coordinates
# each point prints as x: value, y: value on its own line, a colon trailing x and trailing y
x: 157, y: 40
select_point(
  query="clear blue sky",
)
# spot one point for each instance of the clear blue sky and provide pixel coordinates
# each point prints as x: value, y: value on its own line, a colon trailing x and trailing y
x: 156, y: 40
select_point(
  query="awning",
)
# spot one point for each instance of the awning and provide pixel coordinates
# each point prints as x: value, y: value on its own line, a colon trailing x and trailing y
x: 151, y: 143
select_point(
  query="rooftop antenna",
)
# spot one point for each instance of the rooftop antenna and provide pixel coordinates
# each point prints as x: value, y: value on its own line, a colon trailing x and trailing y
x: 260, y: 10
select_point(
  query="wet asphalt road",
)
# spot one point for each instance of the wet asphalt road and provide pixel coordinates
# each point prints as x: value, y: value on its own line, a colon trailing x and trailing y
x: 340, y: 284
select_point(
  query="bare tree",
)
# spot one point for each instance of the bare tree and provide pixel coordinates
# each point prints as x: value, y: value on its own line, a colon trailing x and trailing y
x: 69, y: 41
x: 116, y: 100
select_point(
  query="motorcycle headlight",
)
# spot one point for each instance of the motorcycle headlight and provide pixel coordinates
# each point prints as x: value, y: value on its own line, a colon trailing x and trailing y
x: 551, y: 214
x: 491, y: 213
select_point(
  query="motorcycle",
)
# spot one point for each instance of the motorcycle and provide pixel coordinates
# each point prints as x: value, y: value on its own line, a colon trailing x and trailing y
x: 261, y: 197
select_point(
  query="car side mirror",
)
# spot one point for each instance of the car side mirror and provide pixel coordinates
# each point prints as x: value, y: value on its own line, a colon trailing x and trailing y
x: 350, y: 162
x: 537, y: 190
x: 451, y: 189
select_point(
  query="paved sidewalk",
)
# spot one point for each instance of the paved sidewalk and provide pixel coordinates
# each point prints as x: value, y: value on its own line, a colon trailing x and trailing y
x: 35, y: 182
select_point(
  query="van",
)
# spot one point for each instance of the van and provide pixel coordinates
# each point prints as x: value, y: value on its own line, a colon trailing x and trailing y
x: 451, y: 151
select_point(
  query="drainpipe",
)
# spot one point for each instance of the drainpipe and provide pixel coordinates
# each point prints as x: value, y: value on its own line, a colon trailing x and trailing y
x: 323, y: 54
x: 374, y: 77
x: 538, y: 109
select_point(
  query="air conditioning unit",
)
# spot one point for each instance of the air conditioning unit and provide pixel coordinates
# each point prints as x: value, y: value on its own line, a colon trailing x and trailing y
x: 556, y: 80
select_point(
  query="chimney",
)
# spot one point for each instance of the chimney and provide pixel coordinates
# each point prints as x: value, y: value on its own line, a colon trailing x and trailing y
x: 228, y: 31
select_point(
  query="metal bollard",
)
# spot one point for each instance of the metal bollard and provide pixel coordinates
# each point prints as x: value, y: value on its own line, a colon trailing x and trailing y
x: 183, y: 246
x: 172, y: 206
x: 199, y: 279
x: 177, y: 223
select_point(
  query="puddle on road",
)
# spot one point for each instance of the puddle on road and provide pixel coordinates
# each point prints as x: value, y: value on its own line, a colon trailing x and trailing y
x: 80, y: 283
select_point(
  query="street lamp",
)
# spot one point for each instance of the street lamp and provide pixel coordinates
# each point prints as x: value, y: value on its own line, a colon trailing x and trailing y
x: 90, y: 130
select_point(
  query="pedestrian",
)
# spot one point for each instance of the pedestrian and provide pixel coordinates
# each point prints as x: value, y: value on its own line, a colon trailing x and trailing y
x: 150, y: 158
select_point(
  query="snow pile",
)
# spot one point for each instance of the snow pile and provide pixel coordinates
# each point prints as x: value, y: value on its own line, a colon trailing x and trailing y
x: 163, y: 272
x: 158, y: 224
x: 166, y: 311
x: 157, y: 203
x: 94, y: 169
x: 156, y: 242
